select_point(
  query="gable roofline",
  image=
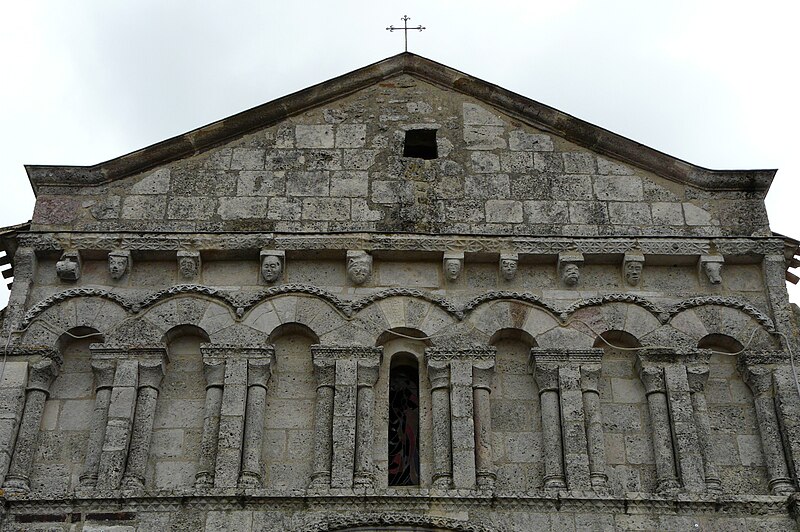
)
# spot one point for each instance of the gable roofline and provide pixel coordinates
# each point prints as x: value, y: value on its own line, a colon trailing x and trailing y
x: 524, y: 109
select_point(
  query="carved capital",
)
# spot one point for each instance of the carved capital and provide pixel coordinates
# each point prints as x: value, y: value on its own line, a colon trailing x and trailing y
x: 41, y: 375
x: 653, y: 379
x: 368, y: 370
x: 151, y: 373
x: 259, y: 371
x: 214, y: 370
x: 759, y: 379
x: 697, y: 376
x: 482, y: 375
x: 590, y: 375
x: 103, y: 369
x: 227, y: 351
x: 438, y: 374
x: 324, y: 371
x: 546, y: 375
x: 477, y: 355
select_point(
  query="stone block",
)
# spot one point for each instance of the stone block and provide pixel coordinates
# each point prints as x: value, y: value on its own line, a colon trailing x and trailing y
x: 351, y: 184
x: 15, y: 374
x: 588, y: 212
x: 519, y: 140
x: 351, y: 135
x: 173, y: 474
x: 308, y: 183
x: 144, y: 207
x: 326, y: 209
x: 261, y: 183
x: 546, y: 212
x: 516, y: 162
x: 247, y: 159
x: 695, y: 215
x: 360, y: 211
x: 750, y: 453
x: 391, y: 192
x: 284, y: 209
x: 229, y: 521
x: 667, y: 213
x: 618, y: 188
x: 238, y: 208
x: 608, y: 167
x: 167, y: 443
x: 548, y: 162
x: 621, y: 417
x: 282, y: 160
x: 190, y: 208
x: 476, y: 115
x: 154, y: 183
x: 358, y: 159
x: 484, y: 137
x: 314, y: 136
x: 76, y: 415
x: 323, y: 159
x: 485, y: 162
x: 484, y: 186
x: 637, y: 214
x: 579, y: 163
x: 504, y: 211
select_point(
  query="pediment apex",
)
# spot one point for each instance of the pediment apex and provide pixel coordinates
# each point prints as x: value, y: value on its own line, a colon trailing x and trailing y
x: 526, y: 110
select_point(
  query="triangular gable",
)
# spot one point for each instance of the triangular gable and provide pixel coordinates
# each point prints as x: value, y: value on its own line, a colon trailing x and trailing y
x: 528, y: 111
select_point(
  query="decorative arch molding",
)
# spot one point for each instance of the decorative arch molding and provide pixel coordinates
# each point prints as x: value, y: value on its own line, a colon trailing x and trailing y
x: 338, y: 522
x: 240, y: 306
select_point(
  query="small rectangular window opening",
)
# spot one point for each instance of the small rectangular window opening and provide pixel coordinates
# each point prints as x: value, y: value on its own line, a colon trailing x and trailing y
x: 420, y: 143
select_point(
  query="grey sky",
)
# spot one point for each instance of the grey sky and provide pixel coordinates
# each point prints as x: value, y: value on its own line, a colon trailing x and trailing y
x: 711, y: 82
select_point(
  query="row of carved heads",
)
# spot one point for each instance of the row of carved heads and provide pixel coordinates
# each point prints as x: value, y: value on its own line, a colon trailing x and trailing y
x: 359, y: 266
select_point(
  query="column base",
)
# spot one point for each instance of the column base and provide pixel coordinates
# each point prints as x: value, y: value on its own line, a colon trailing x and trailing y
x: 17, y: 484
x: 320, y: 479
x: 442, y: 481
x: 249, y: 479
x: 88, y: 480
x: 599, y: 482
x: 486, y: 480
x: 554, y: 483
x: 667, y: 485
x: 713, y: 485
x: 781, y: 486
x: 363, y: 480
x: 204, y: 479
x: 132, y: 483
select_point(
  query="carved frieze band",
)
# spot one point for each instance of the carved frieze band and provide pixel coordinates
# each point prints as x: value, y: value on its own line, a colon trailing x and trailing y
x: 379, y: 242
x: 241, y: 303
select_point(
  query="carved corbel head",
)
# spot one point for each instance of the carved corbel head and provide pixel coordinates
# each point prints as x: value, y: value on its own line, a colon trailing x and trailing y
x: 119, y: 263
x: 508, y: 265
x: 189, y: 264
x: 272, y: 261
x: 711, y: 266
x: 569, y: 263
x: 359, y: 266
x: 68, y: 268
x: 453, y: 263
x: 632, y: 266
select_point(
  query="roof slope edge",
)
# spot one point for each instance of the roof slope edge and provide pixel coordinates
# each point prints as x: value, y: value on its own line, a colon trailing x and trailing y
x: 524, y: 109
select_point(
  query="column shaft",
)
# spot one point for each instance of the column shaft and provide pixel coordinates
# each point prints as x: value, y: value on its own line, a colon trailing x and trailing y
x: 365, y: 407
x: 324, y: 371
x: 439, y: 375
x: 120, y: 421
x: 215, y: 374
x: 594, y: 427
x: 697, y: 380
x: 655, y: 389
x: 547, y: 380
x: 231, y: 424
x: 689, y: 461
x: 344, y: 424
x: 104, y: 378
x: 257, y: 378
x: 150, y: 375
x: 482, y: 373
x: 573, y: 428
x: 40, y: 378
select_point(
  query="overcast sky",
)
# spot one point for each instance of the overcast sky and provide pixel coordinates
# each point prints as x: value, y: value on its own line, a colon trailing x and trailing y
x: 711, y: 82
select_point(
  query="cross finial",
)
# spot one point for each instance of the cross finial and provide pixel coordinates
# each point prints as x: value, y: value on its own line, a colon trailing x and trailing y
x: 405, y: 28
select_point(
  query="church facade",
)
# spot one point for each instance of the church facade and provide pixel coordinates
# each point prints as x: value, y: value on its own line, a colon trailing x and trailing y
x: 403, y: 299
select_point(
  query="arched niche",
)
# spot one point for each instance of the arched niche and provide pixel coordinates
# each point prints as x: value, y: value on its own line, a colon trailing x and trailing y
x: 66, y: 421
x: 626, y: 418
x: 178, y: 420
x: 289, y: 422
x: 402, y: 347
x: 403, y: 433
x: 516, y: 415
x: 735, y: 446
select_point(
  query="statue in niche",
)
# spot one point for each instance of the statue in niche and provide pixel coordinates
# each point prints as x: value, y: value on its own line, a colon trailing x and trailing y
x: 508, y: 266
x: 189, y: 264
x: 272, y: 265
x: 118, y: 264
x: 359, y: 266
x: 632, y: 267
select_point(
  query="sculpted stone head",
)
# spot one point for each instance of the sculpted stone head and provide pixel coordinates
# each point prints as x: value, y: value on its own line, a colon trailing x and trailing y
x: 118, y: 264
x: 569, y: 270
x: 711, y: 266
x: 359, y: 266
x: 633, y: 272
x: 189, y: 264
x: 272, y: 265
x: 508, y: 266
x: 452, y: 269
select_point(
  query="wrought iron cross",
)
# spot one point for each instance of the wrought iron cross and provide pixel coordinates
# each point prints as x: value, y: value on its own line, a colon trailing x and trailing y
x: 405, y: 28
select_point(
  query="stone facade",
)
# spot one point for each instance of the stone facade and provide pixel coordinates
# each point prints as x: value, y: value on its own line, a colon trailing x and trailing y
x: 202, y: 334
